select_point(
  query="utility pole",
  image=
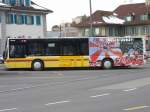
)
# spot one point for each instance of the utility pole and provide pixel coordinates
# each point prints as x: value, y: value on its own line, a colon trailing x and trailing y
x: 60, y: 31
x: 91, y: 19
x: 147, y: 3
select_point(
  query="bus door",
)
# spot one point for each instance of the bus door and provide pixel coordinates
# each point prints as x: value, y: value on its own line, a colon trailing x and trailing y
x: 17, y: 54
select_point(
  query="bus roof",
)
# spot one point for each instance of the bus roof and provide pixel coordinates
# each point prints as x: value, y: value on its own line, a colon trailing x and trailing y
x: 79, y: 37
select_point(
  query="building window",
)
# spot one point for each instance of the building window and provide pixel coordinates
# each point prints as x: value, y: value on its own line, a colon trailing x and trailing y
x: 19, y: 19
x: 20, y: 2
x: 13, y: 2
x: 6, y: 1
x: 10, y: 19
x: 23, y: 19
x: 111, y: 31
x: 27, y: 2
x: 96, y: 32
x: 87, y: 31
x: 144, y: 17
x: 3, y: 1
x: 29, y: 20
x: 130, y: 18
x: 38, y: 20
x: 144, y: 30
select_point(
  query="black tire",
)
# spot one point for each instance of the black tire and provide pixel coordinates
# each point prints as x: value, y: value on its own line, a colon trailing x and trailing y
x: 37, y: 65
x: 107, y: 64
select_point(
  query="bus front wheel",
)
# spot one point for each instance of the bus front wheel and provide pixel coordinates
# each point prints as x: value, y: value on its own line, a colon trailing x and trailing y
x: 107, y: 64
x: 37, y: 65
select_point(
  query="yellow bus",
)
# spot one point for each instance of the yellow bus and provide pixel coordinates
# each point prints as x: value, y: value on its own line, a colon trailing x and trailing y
x: 105, y: 52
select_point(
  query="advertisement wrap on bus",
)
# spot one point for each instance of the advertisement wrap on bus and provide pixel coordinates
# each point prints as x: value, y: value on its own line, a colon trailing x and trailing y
x: 103, y: 52
x: 123, y: 51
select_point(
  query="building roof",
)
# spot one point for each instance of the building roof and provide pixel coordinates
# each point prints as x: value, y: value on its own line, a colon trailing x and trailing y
x: 117, y: 17
x: 2, y: 4
x: 33, y: 8
x: 100, y: 18
x: 134, y: 10
x: 128, y: 9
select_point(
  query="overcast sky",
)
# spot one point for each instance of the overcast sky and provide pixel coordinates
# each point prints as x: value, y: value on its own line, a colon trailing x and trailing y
x: 65, y: 10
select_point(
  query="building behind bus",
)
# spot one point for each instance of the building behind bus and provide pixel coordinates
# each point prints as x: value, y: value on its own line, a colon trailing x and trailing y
x: 125, y: 20
x: 21, y: 19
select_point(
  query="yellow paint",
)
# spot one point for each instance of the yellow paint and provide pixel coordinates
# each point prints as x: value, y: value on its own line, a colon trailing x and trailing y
x: 136, y: 108
x: 49, y: 61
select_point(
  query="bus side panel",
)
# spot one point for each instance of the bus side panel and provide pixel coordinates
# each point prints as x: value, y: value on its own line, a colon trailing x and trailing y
x: 51, y: 61
x: 9, y: 64
x: 74, y: 61
x: 64, y: 61
x: 17, y: 63
x: 125, y: 51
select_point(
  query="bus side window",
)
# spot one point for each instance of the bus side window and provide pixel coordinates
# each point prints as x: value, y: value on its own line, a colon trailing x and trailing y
x: 36, y: 49
x: 53, y: 48
x: 75, y: 47
x: 12, y: 51
x: 68, y: 48
x: 17, y: 51
x: 83, y: 47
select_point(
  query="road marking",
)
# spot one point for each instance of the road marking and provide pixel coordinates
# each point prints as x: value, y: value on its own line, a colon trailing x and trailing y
x: 60, y: 74
x: 8, y: 109
x: 132, y: 89
x: 106, y: 94
x: 136, y: 108
x: 60, y: 102
x: 19, y: 89
x: 128, y: 84
x: 85, y: 79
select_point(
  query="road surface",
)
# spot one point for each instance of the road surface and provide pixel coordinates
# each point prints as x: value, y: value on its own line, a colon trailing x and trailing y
x: 116, y: 90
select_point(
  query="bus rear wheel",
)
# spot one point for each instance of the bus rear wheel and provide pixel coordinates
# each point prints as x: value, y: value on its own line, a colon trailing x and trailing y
x: 107, y: 64
x: 37, y: 65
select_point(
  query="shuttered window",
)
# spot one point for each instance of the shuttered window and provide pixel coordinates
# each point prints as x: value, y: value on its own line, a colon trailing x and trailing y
x: 29, y: 20
x: 19, y: 19
x: 13, y: 2
x: 10, y: 19
x: 23, y: 19
x: 27, y: 2
x: 38, y: 20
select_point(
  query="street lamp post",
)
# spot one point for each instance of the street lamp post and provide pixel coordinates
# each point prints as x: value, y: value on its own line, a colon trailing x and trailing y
x: 91, y: 19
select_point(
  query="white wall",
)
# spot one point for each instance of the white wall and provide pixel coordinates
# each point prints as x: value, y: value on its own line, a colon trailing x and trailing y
x: 32, y: 31
x: 0, y: 31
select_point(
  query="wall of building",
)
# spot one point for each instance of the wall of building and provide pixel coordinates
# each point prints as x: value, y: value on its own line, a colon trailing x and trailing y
x: 16, y: 24
x: 97, y: 31
x: 17, y: 2
x: 137, y: 30
x: 0, y: 31
x: 0, y: 37
x: 25, y: 31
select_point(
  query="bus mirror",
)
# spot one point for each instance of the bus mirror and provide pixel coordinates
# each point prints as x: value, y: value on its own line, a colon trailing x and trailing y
x: 4, y: 55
